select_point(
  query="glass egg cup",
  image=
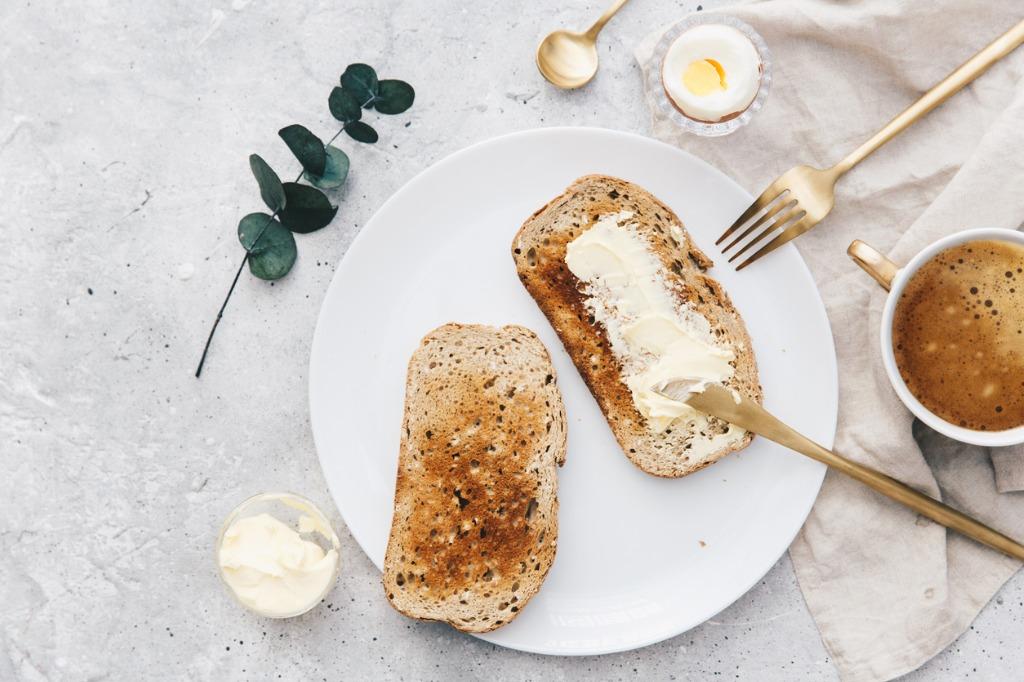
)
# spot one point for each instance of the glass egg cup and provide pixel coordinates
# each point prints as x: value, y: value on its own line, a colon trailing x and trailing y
x: 664, y: 102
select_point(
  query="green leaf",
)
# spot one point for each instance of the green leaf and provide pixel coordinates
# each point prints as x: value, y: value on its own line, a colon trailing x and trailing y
x: 270, y: 245
x: 308, y: 210
x: 361, y: 81
x: 270, y: 185
x: 307, y: 147
x: 394, y: 97
x: 344, y: 106
x: 335, y: 171
x: 361, y: 132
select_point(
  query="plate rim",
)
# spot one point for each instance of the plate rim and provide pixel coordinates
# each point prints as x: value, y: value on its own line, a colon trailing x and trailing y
x: 355, y: 246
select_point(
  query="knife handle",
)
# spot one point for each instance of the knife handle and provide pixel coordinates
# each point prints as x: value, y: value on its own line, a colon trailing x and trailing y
x: 926, y: 506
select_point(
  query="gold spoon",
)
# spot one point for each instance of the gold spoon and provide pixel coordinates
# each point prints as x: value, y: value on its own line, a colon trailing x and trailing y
x: 569, y: 60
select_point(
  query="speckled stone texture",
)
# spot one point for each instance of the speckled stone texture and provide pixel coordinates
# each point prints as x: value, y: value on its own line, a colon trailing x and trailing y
x: 124, y: 132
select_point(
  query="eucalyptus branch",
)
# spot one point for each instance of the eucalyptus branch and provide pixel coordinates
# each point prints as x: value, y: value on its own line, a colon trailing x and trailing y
x: 268, y: 239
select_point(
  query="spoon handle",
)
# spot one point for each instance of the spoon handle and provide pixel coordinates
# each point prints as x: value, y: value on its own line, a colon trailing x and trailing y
x: 608, y: 14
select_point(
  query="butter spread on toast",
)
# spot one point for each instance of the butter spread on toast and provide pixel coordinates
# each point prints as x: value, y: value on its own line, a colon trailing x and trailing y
x: 655, y: 337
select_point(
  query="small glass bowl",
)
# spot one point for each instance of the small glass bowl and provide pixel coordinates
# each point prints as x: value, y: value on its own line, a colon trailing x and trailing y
x: 288, y: 508
x: 664, y: 103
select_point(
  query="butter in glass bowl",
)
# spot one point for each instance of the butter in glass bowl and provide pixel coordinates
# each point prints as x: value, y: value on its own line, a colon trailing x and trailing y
x: 277, y: 554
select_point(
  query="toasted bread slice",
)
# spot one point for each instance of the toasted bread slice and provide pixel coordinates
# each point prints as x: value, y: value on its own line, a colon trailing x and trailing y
x: 539, y: 250
x: 475, y: 523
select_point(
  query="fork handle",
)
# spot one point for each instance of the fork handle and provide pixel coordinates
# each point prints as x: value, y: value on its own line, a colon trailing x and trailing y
x: 950, y: 85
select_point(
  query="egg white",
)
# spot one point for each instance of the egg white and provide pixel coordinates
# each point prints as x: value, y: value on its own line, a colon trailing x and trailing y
x: 738, y: 58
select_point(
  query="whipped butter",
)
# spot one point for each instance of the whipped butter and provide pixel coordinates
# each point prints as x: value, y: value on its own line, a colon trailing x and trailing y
x: 272, y: 569
x: 655, y: 336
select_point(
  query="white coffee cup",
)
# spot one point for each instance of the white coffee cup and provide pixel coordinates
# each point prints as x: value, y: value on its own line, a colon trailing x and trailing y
x: 894, y: 278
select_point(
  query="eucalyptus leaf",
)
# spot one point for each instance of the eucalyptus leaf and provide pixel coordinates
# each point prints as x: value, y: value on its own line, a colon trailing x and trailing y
x: 361, y: 81
x: 308, y: 210
x: 335, y: 171
x: 361, y: 132
x: 394, y: 97
x: 270, y: 245
x: 344, y: 105
x: 307, y: 147
x: 271, y: 189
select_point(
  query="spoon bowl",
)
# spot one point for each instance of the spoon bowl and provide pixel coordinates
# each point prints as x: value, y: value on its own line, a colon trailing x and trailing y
x: 567, y: 59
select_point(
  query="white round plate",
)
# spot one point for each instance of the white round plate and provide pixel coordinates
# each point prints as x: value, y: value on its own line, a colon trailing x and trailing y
x: 640, y: 558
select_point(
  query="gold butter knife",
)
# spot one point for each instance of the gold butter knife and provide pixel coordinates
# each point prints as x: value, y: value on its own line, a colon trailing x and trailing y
x: 720, y: 402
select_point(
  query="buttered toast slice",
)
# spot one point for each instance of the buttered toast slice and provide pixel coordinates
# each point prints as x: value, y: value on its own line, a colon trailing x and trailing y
x: 475, y: 521
x: 625, y: 288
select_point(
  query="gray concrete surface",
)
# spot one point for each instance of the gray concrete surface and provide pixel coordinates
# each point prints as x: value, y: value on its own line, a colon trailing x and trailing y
x: 124, y: 132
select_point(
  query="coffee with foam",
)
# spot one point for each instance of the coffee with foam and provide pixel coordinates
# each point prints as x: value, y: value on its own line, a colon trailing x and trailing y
x: 958, y: 335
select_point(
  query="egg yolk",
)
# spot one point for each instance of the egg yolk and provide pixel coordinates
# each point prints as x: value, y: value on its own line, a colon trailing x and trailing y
x: 704, y: 76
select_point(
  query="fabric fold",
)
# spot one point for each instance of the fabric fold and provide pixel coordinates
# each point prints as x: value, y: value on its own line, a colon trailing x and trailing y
x: 1009, y: 469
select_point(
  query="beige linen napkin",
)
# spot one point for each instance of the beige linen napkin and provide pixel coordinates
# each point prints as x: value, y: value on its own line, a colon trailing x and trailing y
x: 888, y: 589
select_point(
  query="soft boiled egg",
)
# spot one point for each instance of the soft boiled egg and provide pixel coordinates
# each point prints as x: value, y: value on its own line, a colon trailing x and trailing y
x: 711, y: 72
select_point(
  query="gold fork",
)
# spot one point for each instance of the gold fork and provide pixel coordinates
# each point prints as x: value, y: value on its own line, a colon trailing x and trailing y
x: 801, y: 197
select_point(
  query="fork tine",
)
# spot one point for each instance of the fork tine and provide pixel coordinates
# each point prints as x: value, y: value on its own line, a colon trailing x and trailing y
x: 794, y: 231
x: 763, y: 221
x: 763, y: 201
x: 796, y: 214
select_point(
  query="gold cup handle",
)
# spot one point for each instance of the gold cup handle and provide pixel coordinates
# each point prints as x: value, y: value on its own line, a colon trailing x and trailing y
x: 873, y: 262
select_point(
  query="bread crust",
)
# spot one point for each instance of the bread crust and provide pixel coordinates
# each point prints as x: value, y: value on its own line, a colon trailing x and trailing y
x: 475, y: 525
x: 539, y: 250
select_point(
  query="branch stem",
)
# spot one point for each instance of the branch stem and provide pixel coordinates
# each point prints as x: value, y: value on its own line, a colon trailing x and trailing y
x: 220, y: 314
